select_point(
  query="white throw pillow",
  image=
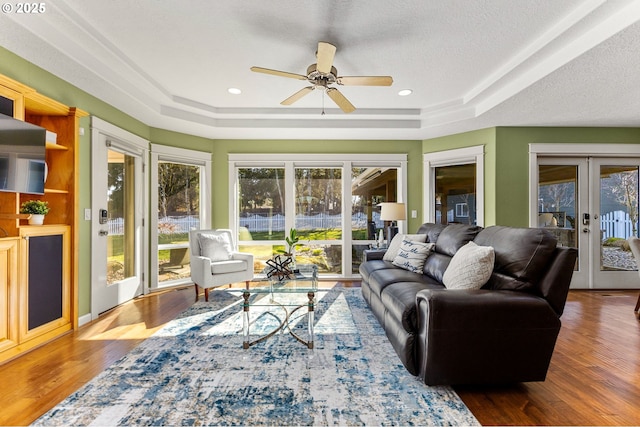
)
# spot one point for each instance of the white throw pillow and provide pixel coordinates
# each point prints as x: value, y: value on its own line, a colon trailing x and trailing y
x: 412, y: 255
x: 215, y: 246
x: 470, y: 267
x: 394, y: 246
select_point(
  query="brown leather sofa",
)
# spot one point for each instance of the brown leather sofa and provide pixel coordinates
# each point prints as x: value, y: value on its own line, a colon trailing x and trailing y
x: 504, y: 332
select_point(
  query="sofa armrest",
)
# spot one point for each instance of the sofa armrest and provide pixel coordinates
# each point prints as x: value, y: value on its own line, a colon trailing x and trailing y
x: 373, y: 254
x: 483, y: 336
x: 481, y: 309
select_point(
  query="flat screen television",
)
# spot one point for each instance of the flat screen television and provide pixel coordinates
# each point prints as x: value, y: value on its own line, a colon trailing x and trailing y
x: 22, y: 156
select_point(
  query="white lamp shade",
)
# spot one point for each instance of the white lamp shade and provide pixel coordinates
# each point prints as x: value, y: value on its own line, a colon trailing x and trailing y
x: 393, y: 211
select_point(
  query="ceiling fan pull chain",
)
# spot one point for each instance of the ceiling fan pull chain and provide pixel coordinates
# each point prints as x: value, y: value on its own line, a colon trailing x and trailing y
x: 323, y: 92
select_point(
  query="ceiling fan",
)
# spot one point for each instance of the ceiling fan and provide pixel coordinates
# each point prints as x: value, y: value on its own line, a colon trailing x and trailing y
x: 323, y: 74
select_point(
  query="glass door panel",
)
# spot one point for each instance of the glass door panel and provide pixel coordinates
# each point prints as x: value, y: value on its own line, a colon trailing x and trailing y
x: 617, y: 216
x: 558, y: 202
x: 121, y: 240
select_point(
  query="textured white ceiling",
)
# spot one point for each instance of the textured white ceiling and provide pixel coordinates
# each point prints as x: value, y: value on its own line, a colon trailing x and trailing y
x: 470, y: 63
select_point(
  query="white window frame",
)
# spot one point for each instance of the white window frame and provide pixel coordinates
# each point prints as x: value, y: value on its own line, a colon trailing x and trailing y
x: 188, y: 157
x: 290, y: 161
x: 459, y: 156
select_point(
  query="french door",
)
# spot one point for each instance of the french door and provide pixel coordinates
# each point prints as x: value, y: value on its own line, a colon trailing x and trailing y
x: 118, y: 200
x: 591, y: 203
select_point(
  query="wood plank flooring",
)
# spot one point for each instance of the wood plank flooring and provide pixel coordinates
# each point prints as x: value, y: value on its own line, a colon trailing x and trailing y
x: 594, y: 377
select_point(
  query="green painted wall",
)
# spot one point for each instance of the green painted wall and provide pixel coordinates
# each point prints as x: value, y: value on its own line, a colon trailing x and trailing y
x: 512, y: 162
x: 485, y: 137
x: 507, y: 161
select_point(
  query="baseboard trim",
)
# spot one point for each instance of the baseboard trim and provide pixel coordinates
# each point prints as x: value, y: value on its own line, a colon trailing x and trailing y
x: 83, y: 320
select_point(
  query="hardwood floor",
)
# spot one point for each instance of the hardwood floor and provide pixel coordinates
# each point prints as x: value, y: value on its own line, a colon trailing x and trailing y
x: 594, y: 377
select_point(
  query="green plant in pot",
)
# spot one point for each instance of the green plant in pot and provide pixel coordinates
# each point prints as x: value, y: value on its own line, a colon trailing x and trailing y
x: 292, y: 241
x: 37, y: 208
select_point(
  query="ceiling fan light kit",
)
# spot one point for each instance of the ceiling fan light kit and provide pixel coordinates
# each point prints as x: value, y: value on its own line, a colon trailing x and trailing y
x: 323, y: 74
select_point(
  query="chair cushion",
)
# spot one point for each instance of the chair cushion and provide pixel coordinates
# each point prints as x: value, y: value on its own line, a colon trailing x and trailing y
x: 229, y: 266
x: 470, y: 267
x: 215, y: 246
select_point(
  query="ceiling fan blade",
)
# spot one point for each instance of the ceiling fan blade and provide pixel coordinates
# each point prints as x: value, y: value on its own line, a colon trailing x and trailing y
x: 296, y: 96
x: 326, y: 52
x: 365, y: 80
x: 340, y: 100
x: 278, y: 73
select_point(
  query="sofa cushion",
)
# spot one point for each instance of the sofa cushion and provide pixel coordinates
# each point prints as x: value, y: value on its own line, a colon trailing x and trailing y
x: 521, y: 255
x: 396, y: 242
x: 215, y: 245
x: 412, y: 255
x: 436, y: 265
x: 431, y: 230
x: 455, y: 236
x: 380, y: 279
x: 470, y: 267
x: 366, y: 268
x: 400, y: 301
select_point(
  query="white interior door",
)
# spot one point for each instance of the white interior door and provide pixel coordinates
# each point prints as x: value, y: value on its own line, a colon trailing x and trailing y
x: 614, y: 218
x: 562, y: 200
x: 590, y: 203
x: 118, y: 200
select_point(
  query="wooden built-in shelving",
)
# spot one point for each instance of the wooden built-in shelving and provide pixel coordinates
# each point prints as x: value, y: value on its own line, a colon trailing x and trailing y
x: 61, y: 192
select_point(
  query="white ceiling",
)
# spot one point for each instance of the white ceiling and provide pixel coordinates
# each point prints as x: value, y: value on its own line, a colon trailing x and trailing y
x: 471, y: 64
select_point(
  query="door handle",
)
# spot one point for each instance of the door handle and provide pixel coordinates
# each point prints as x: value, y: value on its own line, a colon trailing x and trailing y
x: 103, y: 233
x: 585, y: 230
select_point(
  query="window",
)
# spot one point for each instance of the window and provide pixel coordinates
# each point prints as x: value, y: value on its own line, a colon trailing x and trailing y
x: 454, y: 187
x: 330, y: 200
x: 181, y: 201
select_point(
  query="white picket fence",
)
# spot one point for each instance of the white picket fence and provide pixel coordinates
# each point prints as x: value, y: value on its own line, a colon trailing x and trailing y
x: 616, y: 224
x: 182, y: 224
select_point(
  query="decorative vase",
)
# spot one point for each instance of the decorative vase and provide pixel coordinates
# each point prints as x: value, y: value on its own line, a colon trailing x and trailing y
x: 36, y: 219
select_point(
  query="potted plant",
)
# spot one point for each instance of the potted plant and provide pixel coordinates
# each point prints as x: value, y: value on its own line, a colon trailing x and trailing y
x: 292, y: 241
x: 37, y: 208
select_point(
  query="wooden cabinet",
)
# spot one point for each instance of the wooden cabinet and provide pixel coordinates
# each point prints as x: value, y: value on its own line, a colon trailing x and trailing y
x: 61, y: 226
x: 44, y: 300
x: 8, y: 293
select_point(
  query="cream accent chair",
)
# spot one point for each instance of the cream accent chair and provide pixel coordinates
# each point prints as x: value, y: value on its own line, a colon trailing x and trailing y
x: 634, y: 244
x: 215, y: 260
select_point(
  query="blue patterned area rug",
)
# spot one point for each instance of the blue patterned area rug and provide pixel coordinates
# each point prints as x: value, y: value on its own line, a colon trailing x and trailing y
x: 195, y: 372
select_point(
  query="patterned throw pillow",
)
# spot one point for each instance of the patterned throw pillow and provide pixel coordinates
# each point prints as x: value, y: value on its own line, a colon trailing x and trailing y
x: 412, y: 254
x: 394, y: 246
x: 470, y: 267
x: 215, y: 246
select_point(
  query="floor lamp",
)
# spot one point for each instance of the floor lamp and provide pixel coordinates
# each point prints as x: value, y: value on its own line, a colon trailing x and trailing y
x: 392, y: 212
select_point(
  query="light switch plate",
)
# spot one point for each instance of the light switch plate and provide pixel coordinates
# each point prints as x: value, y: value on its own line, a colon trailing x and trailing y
x: 414, y: 214
x: 87, y: 214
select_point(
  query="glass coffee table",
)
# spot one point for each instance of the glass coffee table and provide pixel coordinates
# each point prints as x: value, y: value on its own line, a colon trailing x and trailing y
x: 278, y: 293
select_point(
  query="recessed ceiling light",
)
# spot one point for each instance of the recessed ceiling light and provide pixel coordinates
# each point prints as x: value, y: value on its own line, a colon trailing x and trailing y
x: 234, y: 91
x: 405, y: 92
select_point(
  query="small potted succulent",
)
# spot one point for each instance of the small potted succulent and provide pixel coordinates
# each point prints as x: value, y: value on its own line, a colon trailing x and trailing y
x: 37, y: 208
